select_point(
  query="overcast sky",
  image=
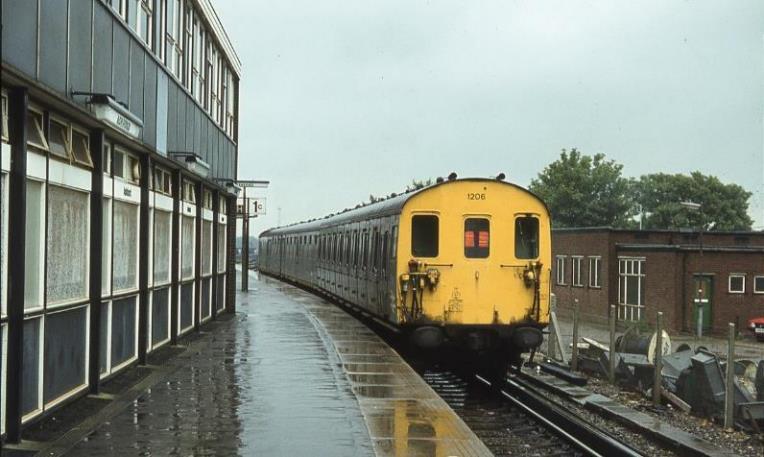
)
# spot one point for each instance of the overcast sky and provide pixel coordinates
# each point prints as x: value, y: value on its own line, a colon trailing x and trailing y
x: 342, y: 99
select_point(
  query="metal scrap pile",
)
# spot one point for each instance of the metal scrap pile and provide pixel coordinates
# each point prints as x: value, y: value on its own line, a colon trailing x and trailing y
x: 692, y: 380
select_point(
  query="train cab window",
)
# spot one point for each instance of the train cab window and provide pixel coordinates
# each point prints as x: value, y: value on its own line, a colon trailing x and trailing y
x: 424, y: 236
x: 526, y: 237
x: 477, y: 236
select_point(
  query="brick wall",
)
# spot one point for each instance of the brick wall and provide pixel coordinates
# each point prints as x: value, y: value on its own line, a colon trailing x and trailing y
x: 671, y: 261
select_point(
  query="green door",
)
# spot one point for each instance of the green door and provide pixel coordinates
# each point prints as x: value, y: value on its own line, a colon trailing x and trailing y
x: 702, y: 299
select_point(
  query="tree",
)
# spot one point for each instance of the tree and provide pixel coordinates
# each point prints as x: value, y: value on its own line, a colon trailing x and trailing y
x: 722, y: 206
x: 584, y: 191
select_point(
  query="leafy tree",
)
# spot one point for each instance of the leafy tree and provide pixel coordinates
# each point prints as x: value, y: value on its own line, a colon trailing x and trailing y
x: 584, y: 191
x: 722, y: 206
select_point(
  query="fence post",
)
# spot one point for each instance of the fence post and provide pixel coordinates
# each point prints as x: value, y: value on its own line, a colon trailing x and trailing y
x: 729, y: 391
x: 658, y: 359
x: 574, y: 356
x: 551, y: 343
x: 611, y: 359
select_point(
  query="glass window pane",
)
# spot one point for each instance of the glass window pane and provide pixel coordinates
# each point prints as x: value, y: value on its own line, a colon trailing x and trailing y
x: 632, y: 290
x: 526, y: 237
x: 33, y: 247
x: 65, y: 349
x: 187, y: 247
x: 59, y: 139
x: 125, y: 258
x: 476, y: 238
x: 106, y: 248
x: 206, y: 247
x: 68, y: 249
x: 424, y: 236
x: 30, y: 372
x: 123, y: 330
x: 162, y: 229
x: 221, y: 247
x: 81, y: 148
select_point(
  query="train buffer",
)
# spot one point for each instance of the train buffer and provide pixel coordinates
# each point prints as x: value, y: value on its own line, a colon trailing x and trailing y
x: 288, y: 374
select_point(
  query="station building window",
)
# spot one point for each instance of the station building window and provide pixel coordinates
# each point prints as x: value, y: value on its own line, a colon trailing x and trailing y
x: 526, y: 237
x: 206, y: 255
x: 145, y: 20
x: 477, y: 237
x: 119, y: 308
x: 161, y: 249
x: 631, y: 288
x: 4, y: 170
x: 187, y: 257
x: 57, y: 264
x: 736, y: 283
x: 560, y: 269
x: 575, y: 268
x: 758, y: 284
x: 424, y: 235
x: 595, y: 269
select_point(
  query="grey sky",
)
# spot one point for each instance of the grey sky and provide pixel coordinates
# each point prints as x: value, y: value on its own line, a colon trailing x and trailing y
x: 342, y: 99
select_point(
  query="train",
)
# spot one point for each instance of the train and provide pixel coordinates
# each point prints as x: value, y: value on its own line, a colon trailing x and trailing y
x: 460, y: 265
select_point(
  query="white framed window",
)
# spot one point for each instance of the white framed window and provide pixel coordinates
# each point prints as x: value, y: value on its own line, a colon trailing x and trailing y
x: 35, y: 132
x: 4, y: 104
x: 34, y: 248
x: 736, y: 283
x: 106, y: 248
x: 206, y: 247
x: 68, y: 245
x: 81, y: 147
x: 575, y: 269
x: 221, y: 247
x: 560, y: 267
x: 188, y: 36
x: 125, y: 246
x: 230, y: 104
x: 207, y: 199
x: 189, y: 192
x: 145, y: 20
x: 126, y: 166
x: 595, y: 264
x: 107, y: 159
x: 223, y: 206
x: 187, y: 238
x: 162, y: 246
x: 631, y: 288
x: 758, y: 284
x: 162, y: 181
x: 60, y: 139
x: 159, y: 44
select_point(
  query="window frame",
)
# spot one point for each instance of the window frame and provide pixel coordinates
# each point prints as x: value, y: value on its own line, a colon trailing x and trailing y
x: 4, y: 101
x: 729, y: 283
x: 576, y: 278
x: 478, y: 249
x: 560, y: 261
x: 595, y: 273
x: 39, y: 123
x: 538, y: 235
x: 755, y: 290
x: 414, y: 252
x: 623, y: 287
x: 80, y: 131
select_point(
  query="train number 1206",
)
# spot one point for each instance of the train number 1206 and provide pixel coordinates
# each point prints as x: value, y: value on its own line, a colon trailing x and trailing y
x: 475, y: 196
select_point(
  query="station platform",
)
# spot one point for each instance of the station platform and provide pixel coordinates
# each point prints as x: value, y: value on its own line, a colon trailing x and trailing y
x: 289, y: 374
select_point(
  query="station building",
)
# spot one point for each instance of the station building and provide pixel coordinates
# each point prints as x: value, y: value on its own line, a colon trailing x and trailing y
x: 119, y: 155
x: 646, y: 271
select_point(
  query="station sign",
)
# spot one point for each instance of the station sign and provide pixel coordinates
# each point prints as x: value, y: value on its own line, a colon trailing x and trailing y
x: 255, y: 207
x: 116, y: 115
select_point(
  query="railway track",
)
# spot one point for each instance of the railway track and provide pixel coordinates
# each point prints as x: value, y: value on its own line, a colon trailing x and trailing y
x: 516, y: 419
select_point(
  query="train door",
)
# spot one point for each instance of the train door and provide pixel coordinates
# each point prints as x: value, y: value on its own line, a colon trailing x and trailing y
x: 282, y: 253
x: 373, y: 267
x: 363, y: 279
x: 384, y: 255
x: 354, y: 265
x: 392, y: 275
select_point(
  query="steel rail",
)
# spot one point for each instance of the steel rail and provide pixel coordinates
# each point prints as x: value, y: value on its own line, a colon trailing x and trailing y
x: 558, y: 419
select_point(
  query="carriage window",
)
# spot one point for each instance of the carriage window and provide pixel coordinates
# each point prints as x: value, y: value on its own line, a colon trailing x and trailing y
x: 476, y: 238
x: 526, y: 237
x: 424, y: 236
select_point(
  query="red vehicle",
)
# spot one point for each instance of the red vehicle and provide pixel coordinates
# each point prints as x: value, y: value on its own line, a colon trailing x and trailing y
x: 756, y: 325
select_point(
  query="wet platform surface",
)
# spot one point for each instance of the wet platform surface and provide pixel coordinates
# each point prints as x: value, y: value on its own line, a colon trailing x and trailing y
x: 291, y: 375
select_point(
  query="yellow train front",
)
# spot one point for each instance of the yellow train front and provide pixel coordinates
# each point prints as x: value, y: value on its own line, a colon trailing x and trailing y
x: 462, y: 264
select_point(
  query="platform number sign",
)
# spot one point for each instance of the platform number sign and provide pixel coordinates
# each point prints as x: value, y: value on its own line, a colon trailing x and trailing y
x: 256, y: 206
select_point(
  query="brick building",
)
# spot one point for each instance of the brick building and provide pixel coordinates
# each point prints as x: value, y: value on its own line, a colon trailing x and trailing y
x: 646, y: 271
